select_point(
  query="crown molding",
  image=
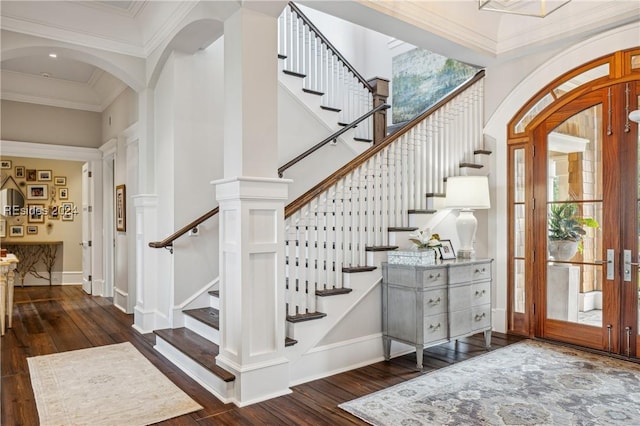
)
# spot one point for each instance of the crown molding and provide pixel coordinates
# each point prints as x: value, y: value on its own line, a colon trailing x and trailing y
x: 165, y: 30
x: 49, y: 151
x: 41, y: 100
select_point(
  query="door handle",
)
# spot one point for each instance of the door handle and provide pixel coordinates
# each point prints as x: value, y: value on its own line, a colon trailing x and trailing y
x: 626, y: 255
x: 611, y: 255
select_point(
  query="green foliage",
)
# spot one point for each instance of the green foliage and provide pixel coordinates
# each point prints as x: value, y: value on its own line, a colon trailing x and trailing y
x: 565, y: 224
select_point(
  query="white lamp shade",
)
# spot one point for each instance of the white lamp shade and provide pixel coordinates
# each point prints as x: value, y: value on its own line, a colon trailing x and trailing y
x: 468, y: 192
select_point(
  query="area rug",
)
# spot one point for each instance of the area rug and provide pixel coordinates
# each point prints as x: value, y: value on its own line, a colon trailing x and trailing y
x: 528, y: 383
x: 106, y: 385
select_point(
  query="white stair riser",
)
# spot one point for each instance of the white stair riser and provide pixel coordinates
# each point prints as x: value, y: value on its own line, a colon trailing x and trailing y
x: 400, y: 239
x: 214, y: 302
x: 218, y: 387
x: 202, y: 329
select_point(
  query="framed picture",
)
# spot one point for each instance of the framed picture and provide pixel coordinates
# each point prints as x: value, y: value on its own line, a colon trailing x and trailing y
x: 32, y: 175
x: 67, y: 211
x: 446, y: 251
x: 36, y: 213
x: 16, y: 231
x: 54, y: 212
x: 3, y: 228
x: 121, y: 208
x: 60, y: 180
x: 5, y: 164
x: 63, y: 193
x: 20, y: 172
x: 44, y: 175
x: 37, y: 192
x: 32, y: 229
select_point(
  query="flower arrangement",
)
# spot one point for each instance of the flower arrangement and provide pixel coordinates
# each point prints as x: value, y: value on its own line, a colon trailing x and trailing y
x: 424, y: 239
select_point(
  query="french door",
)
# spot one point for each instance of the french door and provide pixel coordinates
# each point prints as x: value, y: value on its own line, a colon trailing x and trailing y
x: 585, y: 176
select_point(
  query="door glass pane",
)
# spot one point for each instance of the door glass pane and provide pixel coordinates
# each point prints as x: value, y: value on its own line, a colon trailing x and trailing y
x: 518, y: 230
x: 574, y: 213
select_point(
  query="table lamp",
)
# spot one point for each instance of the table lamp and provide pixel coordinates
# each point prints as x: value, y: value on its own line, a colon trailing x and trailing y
x: 467, y: 193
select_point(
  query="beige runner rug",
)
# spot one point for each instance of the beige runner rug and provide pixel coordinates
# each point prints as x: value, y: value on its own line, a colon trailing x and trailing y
x: 106, y: 385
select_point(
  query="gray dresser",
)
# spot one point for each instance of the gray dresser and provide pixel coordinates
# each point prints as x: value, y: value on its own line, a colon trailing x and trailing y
x: 428, y: 305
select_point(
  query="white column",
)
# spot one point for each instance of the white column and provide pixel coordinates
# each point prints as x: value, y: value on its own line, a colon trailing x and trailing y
x: 251, y: 200
x: 146, y: 260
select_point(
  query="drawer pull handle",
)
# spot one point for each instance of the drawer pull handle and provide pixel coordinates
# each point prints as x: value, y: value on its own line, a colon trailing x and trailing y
x: 480, y: 316
x: 478, y: 271
x: 434, y: 327
x: 480, y: 293
x: 434, y: 302
x: 431, y: 276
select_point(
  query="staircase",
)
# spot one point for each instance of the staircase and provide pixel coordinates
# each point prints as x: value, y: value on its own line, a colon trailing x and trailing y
x: 337, y: 233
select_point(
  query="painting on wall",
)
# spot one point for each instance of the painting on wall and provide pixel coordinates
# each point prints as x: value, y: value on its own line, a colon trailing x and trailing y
x: 31, y: 175
x: 20, y: 172
x: 37, y: 192
x: 121, y: 208
x: 5, y: 164
x: 16, y: 231
x: 3, y: 228
x: 36, y: 213
x: 421, y: 78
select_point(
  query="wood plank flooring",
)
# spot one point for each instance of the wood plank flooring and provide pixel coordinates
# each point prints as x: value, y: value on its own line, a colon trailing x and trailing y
x: 62, y: 318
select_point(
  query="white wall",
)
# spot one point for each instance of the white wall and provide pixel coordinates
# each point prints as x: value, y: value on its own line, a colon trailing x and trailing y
x: 120, y: 114
x: 198, y: 133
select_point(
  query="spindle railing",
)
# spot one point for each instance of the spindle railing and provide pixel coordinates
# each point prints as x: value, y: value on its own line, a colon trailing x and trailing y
x: 329, y: 227
x: 308, y: 53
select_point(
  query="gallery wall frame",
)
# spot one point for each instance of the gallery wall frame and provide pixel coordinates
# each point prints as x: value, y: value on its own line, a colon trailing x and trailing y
x: 121, y: 208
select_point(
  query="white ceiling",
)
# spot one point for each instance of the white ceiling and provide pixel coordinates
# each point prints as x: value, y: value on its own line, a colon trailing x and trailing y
x: 455, y: 28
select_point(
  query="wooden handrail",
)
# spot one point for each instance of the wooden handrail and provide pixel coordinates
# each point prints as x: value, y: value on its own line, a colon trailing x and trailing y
x: 168, y: 242
x: 330, y: 46
x: 360, y: 159
x: 330, y: 138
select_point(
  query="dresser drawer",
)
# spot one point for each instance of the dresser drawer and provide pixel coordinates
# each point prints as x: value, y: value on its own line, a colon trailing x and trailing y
x: 435, y: 301
x: 460, y: 297
x: 469, y: 273
x: 481, y: 293
x: 434, y: 277
x: 435, y: 327
x: 459, y: 323
x: 481, y: 317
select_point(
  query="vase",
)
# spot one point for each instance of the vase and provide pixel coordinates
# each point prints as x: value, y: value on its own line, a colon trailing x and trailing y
x: 562, y: 250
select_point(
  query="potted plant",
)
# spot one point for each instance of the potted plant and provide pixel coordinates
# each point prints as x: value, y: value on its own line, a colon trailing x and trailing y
x: 567, y: 230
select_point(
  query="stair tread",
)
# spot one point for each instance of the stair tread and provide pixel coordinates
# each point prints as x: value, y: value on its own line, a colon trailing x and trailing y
x: 435, y: 194
x: 380, y: 248
x: 482, y: 151
x: 329, y: 108
x: 402, y: 228
x: 197, y: 348
x: 215, y: 293
x: 209, y: 316
x: 313, y: 92
x: 293, y: 73
x: 289, y: 341
x: 422, y: 211
x: 333, y: 291
x: 363, y: 140
x: 472, y: 165
x: 352, y: 269
x: 305, y: 317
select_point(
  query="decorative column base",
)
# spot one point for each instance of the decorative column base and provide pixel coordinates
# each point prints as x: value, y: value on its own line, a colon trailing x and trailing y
x: 252, y: 286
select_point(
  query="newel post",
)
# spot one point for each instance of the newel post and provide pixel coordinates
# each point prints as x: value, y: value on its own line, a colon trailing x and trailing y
x: 380, y: 94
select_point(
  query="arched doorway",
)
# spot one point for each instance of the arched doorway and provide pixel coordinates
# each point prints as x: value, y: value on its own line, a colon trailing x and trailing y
x: 573, y: 175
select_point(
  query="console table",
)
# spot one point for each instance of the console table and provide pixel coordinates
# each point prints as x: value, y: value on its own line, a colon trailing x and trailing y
x: 428, y: 305
x: 8, y: 265
x: 33, y: 254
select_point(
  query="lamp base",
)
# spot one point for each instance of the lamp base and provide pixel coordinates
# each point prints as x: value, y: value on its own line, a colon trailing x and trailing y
x: 466, y: 225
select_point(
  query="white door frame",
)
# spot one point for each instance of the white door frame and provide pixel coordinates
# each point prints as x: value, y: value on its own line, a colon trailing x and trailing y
x: 108, y: 183
x: 72, y: 153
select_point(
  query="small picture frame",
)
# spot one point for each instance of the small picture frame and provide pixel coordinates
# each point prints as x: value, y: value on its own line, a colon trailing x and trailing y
x: 53, y: 212
x: 16, y: 231
x: 121, y: 208
x: 446, y: 251
x: 3, y: 228
x: 32, y: 229
x: 60, y: 181
x: 36, y: 213
x: 67, y: 211
x: 32, y: 175
x: 20, y: 172
x: 37, y: 192
x: 44, y: 175
x: 63, y: 193
x: 5, y: 164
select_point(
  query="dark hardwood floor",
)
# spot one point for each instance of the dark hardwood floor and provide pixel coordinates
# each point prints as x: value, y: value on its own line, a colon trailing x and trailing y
x: 61, y: 318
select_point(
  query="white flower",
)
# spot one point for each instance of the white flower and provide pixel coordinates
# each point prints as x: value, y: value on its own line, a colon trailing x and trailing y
x: 424, y: 238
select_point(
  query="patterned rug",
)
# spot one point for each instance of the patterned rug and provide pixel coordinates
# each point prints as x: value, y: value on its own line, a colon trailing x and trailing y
x: 107, y: 385
x: 528, y: 383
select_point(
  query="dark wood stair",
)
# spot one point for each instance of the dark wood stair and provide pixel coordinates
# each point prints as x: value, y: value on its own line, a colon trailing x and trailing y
x: 209, y: 316
x: 197, y: 348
